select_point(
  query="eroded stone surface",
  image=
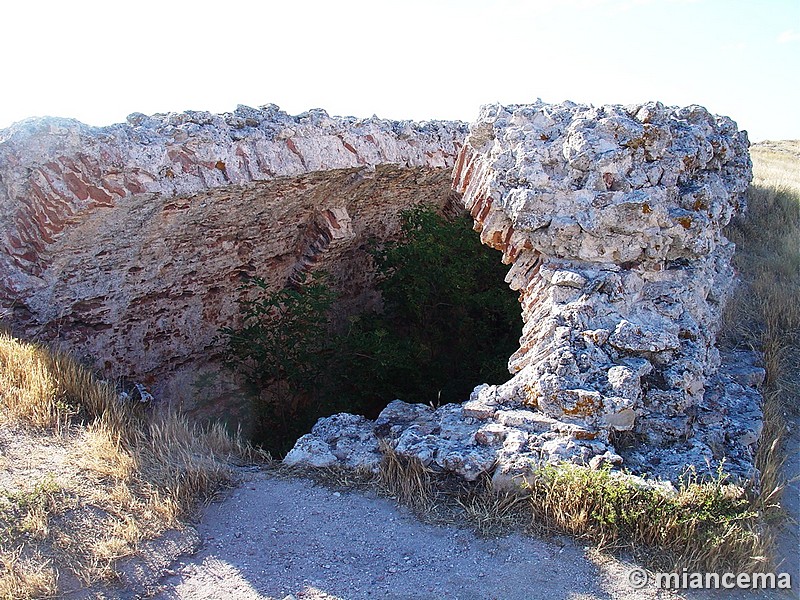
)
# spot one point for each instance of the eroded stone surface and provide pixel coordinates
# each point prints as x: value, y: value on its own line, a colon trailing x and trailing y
x: 611, y: 221
x: 611, y: 218
x: 129, y: 243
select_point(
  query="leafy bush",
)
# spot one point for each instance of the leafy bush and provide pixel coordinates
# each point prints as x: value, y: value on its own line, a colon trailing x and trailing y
x: 283, y: 350
x: 449, y: 322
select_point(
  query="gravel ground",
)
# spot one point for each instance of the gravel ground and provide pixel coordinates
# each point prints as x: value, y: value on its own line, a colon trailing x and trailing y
x: 273, y: 538
x: 789, y: 535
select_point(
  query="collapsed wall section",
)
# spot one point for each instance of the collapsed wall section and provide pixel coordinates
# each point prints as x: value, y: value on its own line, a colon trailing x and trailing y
x: 612, y: 223
x: 611, y: 220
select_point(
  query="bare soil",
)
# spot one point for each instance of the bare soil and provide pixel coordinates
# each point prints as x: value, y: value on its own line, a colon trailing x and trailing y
x: 291, y: 538
x: 275, y: 537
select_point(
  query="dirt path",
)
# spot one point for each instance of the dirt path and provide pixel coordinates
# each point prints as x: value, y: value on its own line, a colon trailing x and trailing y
x: 278, y: 538
x: 292, y: 539
x: 274, y: 537
x: 789, y: 536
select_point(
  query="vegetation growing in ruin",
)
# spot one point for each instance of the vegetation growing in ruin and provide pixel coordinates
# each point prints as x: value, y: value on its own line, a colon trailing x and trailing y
x: 448, y: 323
x: 285, y: 351
x: 449, y: 320
x: 710, y: 526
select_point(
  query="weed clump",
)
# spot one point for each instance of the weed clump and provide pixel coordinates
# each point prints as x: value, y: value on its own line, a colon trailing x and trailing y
x: 710, y: 525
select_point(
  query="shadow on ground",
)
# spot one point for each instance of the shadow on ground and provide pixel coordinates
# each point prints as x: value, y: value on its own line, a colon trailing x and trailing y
x: 275, y: 537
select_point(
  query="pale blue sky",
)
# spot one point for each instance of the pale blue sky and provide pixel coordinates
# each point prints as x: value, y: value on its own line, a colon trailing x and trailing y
x: 418, y: 59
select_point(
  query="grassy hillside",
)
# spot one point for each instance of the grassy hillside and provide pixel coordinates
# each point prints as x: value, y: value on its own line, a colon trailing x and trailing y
x: 765, y: 312
x: 86, y: 477
x: 777, y: 164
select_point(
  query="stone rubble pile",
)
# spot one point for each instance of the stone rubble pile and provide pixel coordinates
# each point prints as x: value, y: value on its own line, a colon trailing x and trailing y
x: 611, y: 220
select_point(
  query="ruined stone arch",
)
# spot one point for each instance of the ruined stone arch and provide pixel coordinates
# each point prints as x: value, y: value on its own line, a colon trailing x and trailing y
x: 127, y: 241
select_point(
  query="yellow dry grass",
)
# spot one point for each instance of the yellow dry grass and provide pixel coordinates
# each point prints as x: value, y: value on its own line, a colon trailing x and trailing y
x: 32, y: 577
x: 775, y: 164
x: 106, y: 476
x: 406, y: 479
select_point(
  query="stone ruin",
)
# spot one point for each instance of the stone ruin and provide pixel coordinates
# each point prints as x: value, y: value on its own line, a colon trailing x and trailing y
x: 128, y: 242
x: 611, y: 220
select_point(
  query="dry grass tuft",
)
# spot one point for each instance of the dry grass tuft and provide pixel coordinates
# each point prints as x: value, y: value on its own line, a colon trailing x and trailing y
x: 44, y: 388
x: 711, y: 526
x: 706, y: 526
x: 24, y: 578
x: 183, y: 462
x: 407, y: 480
x: 29, y: 389
x: 491, y: 512
x: 124, y: 475
x: 770, y: 458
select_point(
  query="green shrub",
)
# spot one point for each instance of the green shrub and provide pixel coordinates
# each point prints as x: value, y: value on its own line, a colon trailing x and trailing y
x: 448, y: 323
x: 283, y: 350
x: 449, y: 320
